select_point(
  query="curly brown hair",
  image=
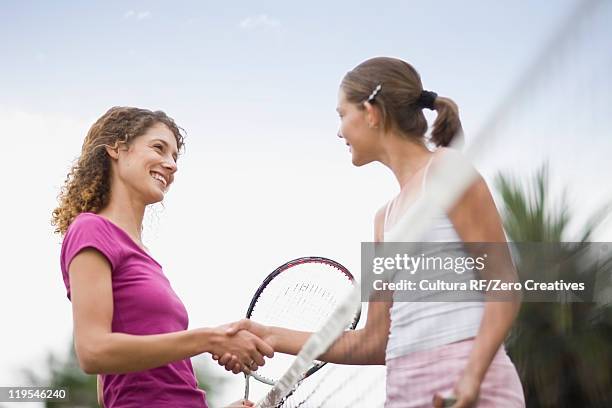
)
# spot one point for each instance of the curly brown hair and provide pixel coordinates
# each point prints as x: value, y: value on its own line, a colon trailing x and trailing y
x: 87, y: 185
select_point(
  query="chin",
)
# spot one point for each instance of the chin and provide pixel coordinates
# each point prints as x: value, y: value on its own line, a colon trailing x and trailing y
x: 154, y: 201
x: 358, y: 162
x: 155, y: 197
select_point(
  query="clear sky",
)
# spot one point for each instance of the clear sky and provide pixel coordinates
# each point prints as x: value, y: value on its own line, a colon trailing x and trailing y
x: 264, y: 178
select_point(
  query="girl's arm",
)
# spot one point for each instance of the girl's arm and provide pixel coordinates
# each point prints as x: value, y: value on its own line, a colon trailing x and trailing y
x: 99, y: 350
x: 362, y: 347
x: 476, y: 219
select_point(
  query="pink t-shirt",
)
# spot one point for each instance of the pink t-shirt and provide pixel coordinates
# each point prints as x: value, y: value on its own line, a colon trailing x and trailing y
x: 143, y: 303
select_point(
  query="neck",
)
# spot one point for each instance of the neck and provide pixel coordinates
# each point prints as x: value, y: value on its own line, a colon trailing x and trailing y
x: 126, y: 212
x: 403, y: 156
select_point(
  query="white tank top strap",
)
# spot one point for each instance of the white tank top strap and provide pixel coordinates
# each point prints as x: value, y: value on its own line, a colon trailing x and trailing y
x: 387, y: 215
x: 425, y: 173
x: 388, y: 208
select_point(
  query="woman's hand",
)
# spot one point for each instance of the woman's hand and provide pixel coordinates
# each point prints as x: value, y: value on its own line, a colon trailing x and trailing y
x: 465, y: 394
x: 243, y: 348
x: 260, y: 330
x: 230, y: 361
x: 241, y: 404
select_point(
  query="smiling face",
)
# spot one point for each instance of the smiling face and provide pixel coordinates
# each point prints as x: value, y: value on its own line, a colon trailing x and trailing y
x: 146, y: 167
x: 356, y: 131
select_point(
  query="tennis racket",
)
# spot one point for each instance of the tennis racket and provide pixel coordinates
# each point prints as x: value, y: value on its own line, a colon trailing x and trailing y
x: 299, y: 295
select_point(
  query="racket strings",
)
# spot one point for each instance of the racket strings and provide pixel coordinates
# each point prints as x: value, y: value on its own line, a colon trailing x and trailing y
x: 299, y: 298
x: 304, y: 395
x: 341, y: 386
x: 287, y: 299
x: 283, y: 309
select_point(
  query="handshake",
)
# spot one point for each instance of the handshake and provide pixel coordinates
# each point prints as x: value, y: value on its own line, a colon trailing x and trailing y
x: 242, y: 345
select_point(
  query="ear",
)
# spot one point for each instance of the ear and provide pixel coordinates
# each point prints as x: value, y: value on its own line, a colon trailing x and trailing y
x: 112, y: 152
x: 372, y: 115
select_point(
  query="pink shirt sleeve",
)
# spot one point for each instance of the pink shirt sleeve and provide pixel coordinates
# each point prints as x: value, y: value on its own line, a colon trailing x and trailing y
x: 88, y: 231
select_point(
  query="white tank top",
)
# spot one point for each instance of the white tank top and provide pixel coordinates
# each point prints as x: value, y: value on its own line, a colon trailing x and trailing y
x: 424, y: 325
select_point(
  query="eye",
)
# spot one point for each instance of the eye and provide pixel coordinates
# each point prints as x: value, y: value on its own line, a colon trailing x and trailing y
x: 158, y: 147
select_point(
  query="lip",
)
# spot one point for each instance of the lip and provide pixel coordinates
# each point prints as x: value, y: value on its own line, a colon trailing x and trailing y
x: 166, y: 179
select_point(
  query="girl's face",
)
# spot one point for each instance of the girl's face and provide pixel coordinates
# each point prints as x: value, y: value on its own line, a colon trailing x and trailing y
x: 356, y: 131
x: 148, y: 165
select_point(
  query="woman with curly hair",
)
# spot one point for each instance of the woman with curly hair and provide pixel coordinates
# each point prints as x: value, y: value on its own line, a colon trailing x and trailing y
x: 129, y: 325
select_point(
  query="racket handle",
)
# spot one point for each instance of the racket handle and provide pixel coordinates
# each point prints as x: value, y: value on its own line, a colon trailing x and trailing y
x: 449, y: 402
x: 246, y: 386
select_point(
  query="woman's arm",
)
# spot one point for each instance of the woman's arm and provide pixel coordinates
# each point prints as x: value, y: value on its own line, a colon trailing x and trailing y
x: 101, y: 351
x: 476, y: 219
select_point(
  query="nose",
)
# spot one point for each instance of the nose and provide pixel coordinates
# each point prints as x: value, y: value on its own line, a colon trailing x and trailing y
x: 340, y: 135
x: 170, y: 165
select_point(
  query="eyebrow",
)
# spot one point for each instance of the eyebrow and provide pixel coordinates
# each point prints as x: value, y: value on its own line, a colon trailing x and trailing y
x: 175, y: 154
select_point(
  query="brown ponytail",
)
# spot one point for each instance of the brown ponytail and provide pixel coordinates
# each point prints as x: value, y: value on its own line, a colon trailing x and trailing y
x: 447, y: 124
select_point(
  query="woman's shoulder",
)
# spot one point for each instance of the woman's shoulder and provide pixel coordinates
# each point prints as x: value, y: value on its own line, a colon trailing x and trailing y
x: 89, y: 225
x: 88, y: 220
x: 89, y: 230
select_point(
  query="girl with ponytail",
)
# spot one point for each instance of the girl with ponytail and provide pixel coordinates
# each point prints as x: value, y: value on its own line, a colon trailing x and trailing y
x: 439, y: 348
x: 436, y: 353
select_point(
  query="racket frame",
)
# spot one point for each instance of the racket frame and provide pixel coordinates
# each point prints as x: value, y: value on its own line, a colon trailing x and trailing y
x: 284, y: 267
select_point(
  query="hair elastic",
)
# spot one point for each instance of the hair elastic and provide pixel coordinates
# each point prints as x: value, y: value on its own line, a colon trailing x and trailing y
x: 427, y: 100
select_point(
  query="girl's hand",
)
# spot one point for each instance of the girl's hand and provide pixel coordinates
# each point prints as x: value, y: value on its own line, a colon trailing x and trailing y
x: 465, y: 394
x: 260, y: 330
x: 245, y: 348
x: 231, y: 361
